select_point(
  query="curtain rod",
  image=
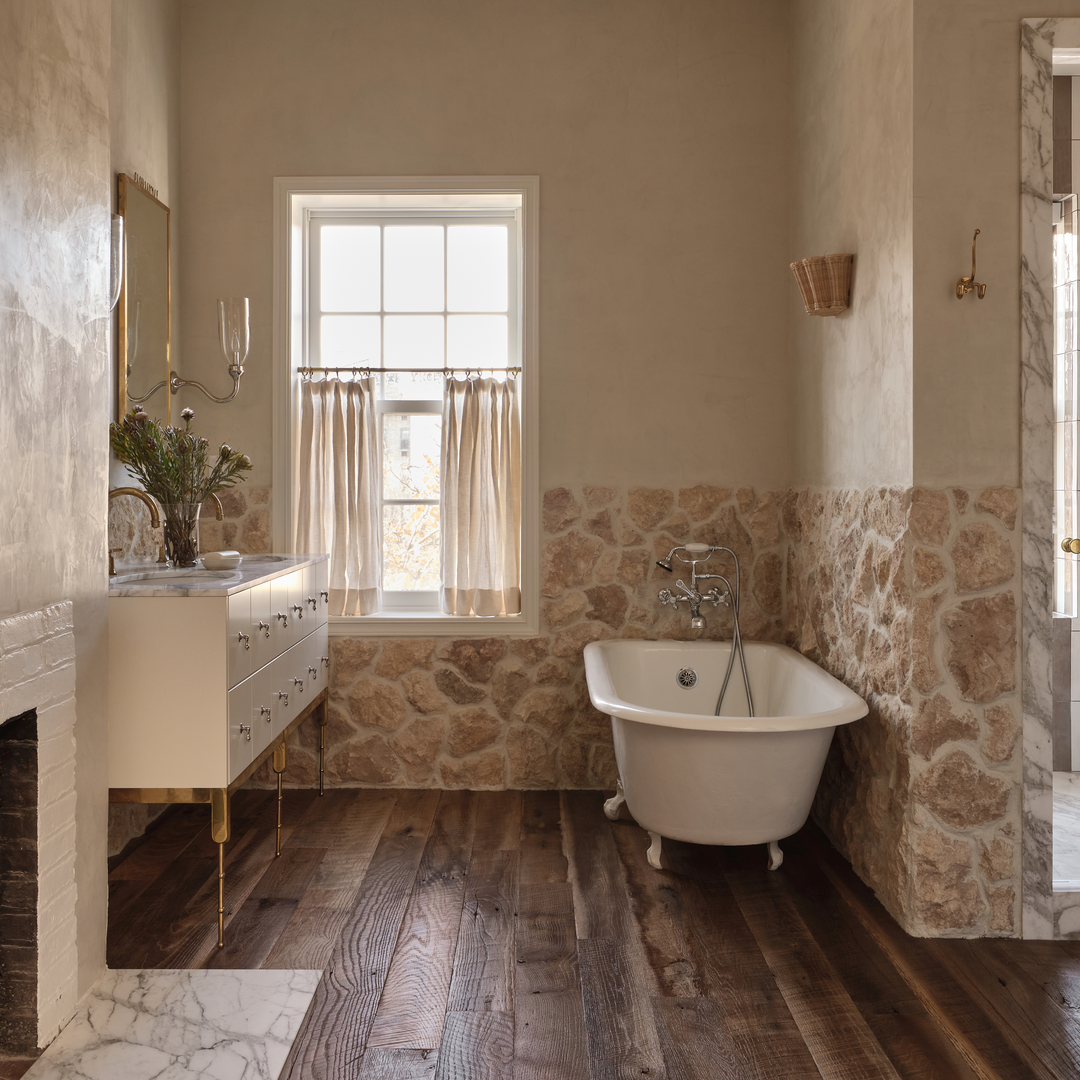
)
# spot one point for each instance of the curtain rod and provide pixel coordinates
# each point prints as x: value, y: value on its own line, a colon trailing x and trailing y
x: 362, y: 369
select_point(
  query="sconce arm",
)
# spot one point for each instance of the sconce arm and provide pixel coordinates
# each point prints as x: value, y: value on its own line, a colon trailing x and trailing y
x: 234, y: 370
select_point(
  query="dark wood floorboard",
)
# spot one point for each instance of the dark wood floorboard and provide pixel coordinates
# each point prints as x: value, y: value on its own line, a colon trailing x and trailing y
x: 523, y: 936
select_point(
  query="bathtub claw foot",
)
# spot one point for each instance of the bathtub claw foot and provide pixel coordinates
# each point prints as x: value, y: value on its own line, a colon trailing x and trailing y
x: 653, y: 854
x: 611, y: 807
x: 776, y: 856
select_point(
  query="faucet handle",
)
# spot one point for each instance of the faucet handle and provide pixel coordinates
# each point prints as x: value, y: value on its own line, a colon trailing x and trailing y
x: 666, y: 597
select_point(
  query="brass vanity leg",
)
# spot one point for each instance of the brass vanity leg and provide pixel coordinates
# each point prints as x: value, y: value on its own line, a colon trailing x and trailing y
x: 323, y: 717
x: 279, y: 768
x: 219, y: 830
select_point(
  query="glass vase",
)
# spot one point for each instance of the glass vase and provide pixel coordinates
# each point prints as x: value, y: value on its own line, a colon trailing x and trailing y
x: 182, y: 532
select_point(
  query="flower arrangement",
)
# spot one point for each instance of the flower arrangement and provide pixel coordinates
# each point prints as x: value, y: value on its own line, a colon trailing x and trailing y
x: 174, y: 466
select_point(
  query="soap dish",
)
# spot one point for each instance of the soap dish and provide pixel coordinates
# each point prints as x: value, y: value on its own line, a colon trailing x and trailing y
x: 222, y: 560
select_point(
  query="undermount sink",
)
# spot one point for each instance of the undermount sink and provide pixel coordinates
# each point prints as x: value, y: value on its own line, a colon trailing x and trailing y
x: 171, y: 577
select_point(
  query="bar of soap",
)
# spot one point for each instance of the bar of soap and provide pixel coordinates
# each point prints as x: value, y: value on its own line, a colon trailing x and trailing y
x: 221, y: 560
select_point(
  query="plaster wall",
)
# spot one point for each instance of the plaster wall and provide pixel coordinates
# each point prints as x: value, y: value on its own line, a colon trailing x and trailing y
x: 144, y: 119
x: 852, y: 163
x: 54, y: 280
x: 659, y: 132
x: 966, y: 176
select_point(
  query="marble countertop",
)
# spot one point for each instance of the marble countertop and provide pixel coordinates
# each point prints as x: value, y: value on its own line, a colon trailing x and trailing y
x: 153, y: 579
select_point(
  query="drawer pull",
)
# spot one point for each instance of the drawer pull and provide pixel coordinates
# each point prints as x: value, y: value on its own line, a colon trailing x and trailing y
x: 244, y: 639
x: 299, y: 610
x: 264, y: 710
x: 283, y: 617
x: 325, y: 597
x: 246, y: 729
x: 299, y: 684
x: 283, y: 694
x: 313, y: 672
x: 264, y: 626
x: 325, y: 660
x: 313, y: 602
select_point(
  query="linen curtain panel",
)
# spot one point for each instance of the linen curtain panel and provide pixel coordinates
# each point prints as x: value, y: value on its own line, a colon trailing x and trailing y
x: 480, y: 506
x: 339, y: 490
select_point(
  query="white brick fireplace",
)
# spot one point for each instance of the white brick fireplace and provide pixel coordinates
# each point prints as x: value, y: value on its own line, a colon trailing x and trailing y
x: 37, y: 673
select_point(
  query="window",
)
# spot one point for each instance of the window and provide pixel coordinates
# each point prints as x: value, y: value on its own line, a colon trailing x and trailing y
x: 410, y: 279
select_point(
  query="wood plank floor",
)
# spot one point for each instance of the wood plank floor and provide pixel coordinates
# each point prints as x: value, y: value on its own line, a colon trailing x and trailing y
x: 514, y: 935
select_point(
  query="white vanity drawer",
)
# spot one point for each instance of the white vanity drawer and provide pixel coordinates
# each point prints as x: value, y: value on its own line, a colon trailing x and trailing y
x: 262, y: 711
x: 240, y: 729
x: 239, y: 637
x: 265, y: 644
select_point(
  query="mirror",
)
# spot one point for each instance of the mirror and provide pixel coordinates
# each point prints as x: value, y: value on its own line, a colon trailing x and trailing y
x: 143, y: 361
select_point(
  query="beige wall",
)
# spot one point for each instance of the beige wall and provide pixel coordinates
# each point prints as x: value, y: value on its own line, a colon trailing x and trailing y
x: 659, y: 132
x: 54, y: 281
x: 144, y: 116
x: 851, y: 192
x: 967, y: 153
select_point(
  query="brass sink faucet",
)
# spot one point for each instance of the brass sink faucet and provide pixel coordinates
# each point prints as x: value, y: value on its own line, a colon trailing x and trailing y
x: 155, y: 521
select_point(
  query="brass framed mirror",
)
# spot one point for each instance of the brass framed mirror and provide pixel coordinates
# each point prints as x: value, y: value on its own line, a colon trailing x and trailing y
x: 143, y: 362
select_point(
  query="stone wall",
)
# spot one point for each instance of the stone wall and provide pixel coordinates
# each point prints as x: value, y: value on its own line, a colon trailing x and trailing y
x: 912, y: 598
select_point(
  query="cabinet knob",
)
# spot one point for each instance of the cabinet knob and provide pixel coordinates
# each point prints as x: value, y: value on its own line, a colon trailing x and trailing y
x: 283, y: 617
x: 246, y: 729
x: 244, y: 639
x: 1071, y: 546
x: 313, y: 602
x: 313, y: 672
x: 325, y: 660
x: 325, y: 597
x: 282, y: 695
x: 298, y: 609
x: 264, y: 710
x: 265, y: 626
x: 299, y: 684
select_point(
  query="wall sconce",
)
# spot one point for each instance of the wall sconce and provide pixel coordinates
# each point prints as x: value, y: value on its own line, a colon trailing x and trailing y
x: 825, y: 283
x: 234, y: 336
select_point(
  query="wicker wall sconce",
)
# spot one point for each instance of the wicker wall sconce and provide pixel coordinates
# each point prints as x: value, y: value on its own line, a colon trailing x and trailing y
x: 825, y: 283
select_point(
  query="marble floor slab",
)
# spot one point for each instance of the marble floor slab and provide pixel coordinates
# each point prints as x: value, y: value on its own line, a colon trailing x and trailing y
x: 1066, y: 832
x: 179, y: 1025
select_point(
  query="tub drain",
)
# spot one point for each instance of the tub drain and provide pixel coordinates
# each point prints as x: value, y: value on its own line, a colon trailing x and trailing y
x: 687, y: 677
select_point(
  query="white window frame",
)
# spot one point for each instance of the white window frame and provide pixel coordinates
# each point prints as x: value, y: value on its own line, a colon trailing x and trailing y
x: 294, y: 198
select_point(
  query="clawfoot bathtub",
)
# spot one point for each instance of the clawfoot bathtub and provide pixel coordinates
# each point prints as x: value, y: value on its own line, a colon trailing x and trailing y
x: 688, y: 774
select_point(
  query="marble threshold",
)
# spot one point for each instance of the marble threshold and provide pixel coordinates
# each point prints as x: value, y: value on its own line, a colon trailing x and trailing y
x: 155, y: 1023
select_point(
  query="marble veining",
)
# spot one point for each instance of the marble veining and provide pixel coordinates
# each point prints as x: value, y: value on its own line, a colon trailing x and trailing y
x: 1036, y: 334
x: 195, y: 581
x: 142, y: 1024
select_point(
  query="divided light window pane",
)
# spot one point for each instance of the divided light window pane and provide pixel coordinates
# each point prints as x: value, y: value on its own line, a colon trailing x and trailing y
x: 410, y: 547
x: 477, y: 341
x: 349, y: 268
x: 413, y: 264
x: 350, y: 340
x: 476, y: 267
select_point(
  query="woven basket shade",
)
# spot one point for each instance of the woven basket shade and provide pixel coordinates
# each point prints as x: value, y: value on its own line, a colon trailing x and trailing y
x: 825, y: 283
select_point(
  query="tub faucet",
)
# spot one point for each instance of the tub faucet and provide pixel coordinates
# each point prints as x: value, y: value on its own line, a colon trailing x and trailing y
x: 695, y: 599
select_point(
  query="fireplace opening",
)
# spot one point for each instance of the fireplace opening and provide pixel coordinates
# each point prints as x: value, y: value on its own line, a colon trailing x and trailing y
x: 19, y: 883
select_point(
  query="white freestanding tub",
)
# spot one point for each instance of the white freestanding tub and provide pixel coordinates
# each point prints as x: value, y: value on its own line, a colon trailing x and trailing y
x: 729, y: 779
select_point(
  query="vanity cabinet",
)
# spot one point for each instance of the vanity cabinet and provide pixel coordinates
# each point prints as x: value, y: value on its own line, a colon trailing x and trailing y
x: 200, y: 685
x: 208, y: 675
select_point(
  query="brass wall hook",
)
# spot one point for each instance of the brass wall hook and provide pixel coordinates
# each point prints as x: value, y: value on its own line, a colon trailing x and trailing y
x: 969, y: 284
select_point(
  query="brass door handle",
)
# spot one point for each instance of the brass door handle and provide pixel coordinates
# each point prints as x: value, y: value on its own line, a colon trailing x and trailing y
x: 1071, y: 546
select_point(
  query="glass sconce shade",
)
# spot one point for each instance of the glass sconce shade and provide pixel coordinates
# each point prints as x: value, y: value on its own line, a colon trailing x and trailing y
x: 234, y: 330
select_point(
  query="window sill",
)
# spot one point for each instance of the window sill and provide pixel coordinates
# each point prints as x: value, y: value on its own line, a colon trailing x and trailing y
x: 404, y: 624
